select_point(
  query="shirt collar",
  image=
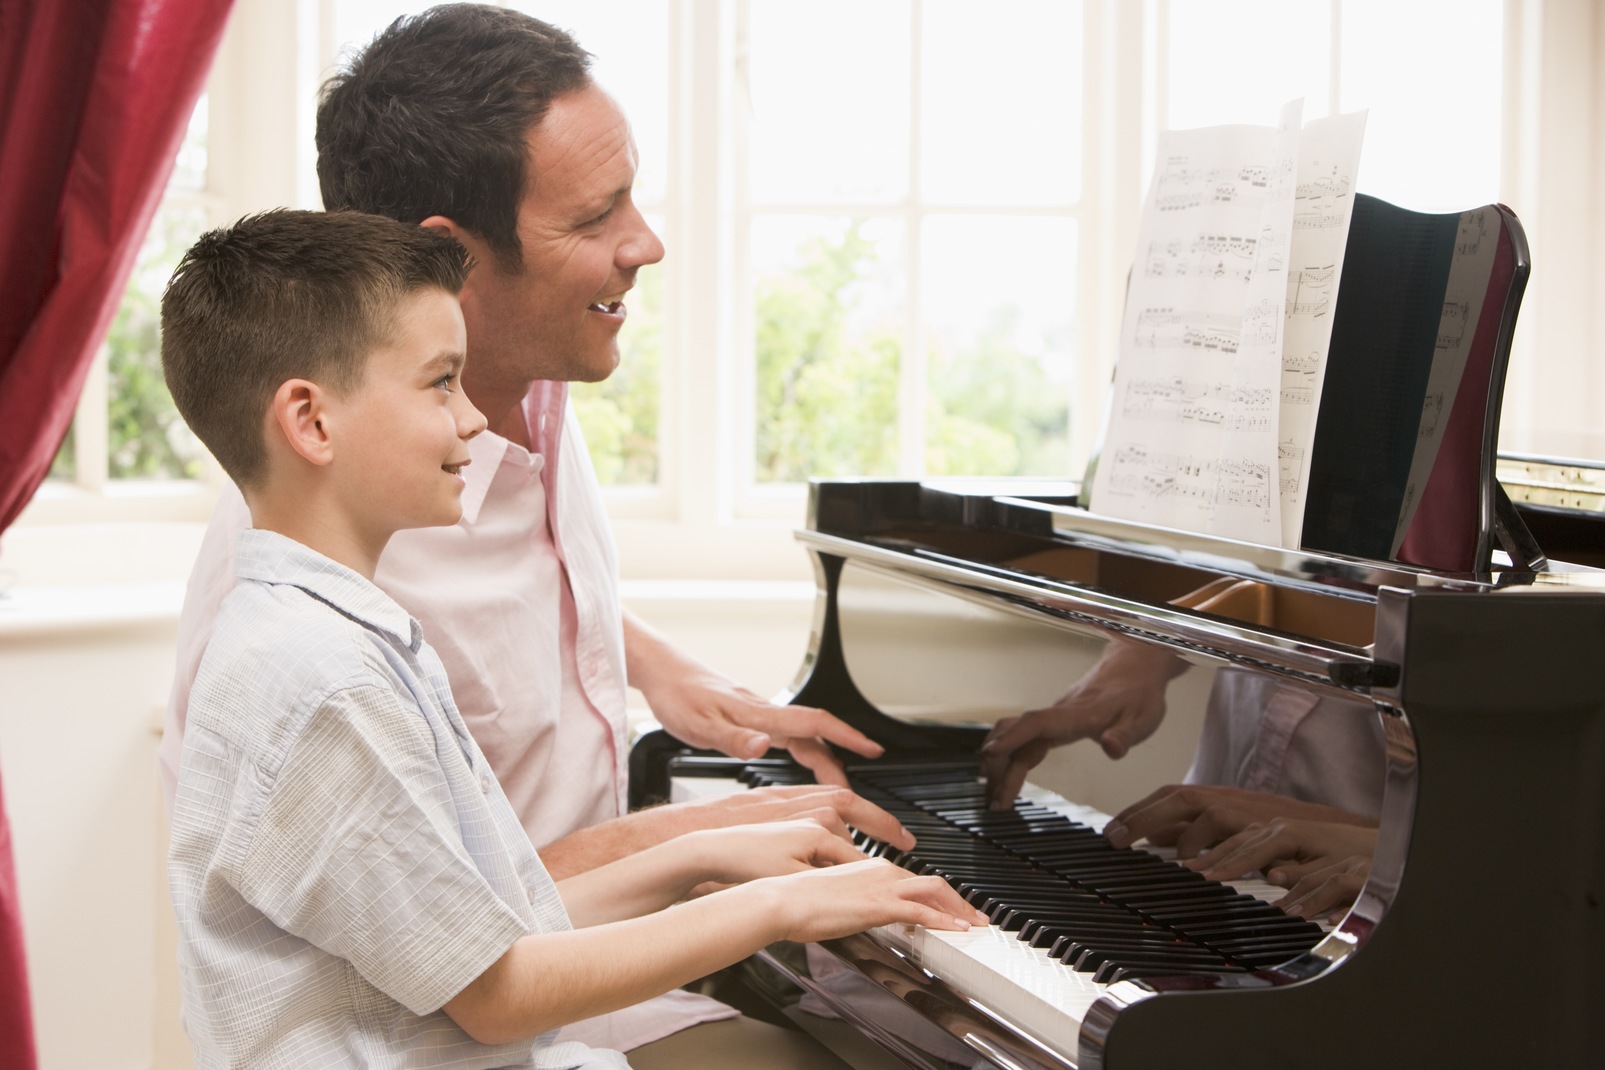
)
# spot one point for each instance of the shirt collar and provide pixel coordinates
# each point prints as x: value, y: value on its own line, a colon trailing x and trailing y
x: 485, y: 452
x: 544, y: 408
x: 268, y: 557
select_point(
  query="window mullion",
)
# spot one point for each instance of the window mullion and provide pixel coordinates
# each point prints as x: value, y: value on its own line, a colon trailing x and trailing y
x: 1334, y: 59
x: 1122, y: 98
x: 912, y: 376
x: 91, y: 426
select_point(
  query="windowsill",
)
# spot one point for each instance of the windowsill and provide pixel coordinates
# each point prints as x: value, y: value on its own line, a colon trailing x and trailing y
x: 49, y: 611
x: 131, y: 501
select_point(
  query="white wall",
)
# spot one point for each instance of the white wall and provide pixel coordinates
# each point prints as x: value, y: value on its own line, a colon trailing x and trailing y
x: 78, y: 752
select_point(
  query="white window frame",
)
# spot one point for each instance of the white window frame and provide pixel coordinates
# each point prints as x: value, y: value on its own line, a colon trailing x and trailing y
x: 704, y: 519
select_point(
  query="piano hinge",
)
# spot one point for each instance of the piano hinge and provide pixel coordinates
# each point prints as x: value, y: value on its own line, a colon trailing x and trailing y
x: 1363, y: 675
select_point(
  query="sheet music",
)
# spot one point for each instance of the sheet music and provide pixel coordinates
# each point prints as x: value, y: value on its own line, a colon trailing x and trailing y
x: 1227, y: 322
x: 1329, y: 158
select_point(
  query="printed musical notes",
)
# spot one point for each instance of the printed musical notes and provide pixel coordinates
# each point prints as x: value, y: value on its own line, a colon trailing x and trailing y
x: 1323, y: 205
x: 1228, y: 317
x: 1188, y: 480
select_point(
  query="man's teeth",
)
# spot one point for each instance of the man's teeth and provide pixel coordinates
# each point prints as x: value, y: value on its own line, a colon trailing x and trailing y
x: 606, y: 306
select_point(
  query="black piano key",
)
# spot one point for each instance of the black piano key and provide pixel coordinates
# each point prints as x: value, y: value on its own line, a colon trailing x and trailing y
x: 1045, y: 932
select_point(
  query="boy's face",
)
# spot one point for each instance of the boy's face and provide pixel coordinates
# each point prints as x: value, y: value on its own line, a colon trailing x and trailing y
x: 405, y: 427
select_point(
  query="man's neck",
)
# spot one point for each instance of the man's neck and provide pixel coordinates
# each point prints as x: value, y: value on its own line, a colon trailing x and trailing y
x: 503, y: 406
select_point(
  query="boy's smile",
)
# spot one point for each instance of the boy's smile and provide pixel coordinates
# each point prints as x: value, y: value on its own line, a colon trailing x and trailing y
x: 403, y: 432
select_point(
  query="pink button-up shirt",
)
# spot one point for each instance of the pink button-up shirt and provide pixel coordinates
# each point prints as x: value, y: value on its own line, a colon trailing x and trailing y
x: 520, y: 600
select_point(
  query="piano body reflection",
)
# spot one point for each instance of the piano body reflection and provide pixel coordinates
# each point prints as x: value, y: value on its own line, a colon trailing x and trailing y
x: 1478, y: 936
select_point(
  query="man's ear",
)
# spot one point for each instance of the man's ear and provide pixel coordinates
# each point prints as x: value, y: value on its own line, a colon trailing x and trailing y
x: 446, y: 225
x: 300, y: 411
x: 477, y: 249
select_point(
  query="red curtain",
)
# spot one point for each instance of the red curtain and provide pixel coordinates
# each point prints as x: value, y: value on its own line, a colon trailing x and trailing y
x: 94, y: 99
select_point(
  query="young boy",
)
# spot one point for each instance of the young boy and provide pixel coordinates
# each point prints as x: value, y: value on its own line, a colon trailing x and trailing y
x: 352, y: 887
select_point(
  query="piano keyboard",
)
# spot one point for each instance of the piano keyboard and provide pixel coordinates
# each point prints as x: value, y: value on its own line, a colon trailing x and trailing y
x: 1071, y: 914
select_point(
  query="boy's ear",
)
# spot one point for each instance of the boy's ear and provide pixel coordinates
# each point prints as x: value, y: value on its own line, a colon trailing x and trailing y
x: 300, y: 411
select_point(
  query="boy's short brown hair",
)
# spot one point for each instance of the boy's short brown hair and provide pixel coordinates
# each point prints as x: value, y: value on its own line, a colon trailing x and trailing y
x: 287, y: 295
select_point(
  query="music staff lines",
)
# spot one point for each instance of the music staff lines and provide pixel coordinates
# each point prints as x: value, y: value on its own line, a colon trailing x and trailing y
x: 1181, y: 187
x: 1290, y: 461
x: 1310, y: 290
x: 1210, y: 256
x: 1181, y: 401
x: 1140, y: 472
x: 1165, y: 328
x: 1474, y: 227
x: 1453, y: 325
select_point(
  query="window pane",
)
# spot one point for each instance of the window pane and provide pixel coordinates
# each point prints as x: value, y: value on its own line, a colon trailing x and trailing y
x: 829, y: 88
x: 620, y: 414
x: 998, y: 319
x: 1429, y: 73
x: 356, y: 22
x: 146, y: 437
x: 1241, y: 68
x: 998, y: 131
x: 828, y: 312
x: 630, y: 40
x: 189, y: 169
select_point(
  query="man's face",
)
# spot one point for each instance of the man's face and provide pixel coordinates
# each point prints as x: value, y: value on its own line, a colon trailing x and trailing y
x: 406, y: 426
x: 583, y: 239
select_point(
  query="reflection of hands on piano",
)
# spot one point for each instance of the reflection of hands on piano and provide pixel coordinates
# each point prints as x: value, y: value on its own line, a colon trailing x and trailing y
x: 1120, y: 701
x: 1324, y: 863
x: 1327, y: 891
x: 1195, y: 817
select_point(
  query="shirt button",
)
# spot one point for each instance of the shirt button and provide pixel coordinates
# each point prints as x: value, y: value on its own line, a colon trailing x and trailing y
x: 484, y: 783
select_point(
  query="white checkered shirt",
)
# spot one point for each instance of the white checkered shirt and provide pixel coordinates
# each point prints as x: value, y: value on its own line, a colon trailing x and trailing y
x: 343, y: 861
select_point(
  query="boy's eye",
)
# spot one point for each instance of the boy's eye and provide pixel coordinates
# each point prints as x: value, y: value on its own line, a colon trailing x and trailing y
x: 445, y: 381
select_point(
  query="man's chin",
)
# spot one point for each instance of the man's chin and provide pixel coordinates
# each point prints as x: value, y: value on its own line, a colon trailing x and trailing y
x: 596, y: 371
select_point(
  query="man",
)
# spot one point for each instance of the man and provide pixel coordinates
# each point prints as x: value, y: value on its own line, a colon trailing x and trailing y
x: 484, y: 124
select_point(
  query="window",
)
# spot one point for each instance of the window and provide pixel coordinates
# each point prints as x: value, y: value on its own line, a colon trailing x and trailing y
x: 898, y: 230
x: 911, y: 229
x: 126, y: 428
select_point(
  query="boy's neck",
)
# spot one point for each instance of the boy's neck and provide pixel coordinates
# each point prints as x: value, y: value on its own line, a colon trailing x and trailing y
x: 326, y: 530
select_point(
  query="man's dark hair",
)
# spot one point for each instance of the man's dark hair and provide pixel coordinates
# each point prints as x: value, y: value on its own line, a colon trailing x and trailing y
x: 431, y: 118
x: 287, y: 295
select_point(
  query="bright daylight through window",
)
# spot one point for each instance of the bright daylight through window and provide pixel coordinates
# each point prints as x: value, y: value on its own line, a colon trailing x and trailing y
x: 898, y: 202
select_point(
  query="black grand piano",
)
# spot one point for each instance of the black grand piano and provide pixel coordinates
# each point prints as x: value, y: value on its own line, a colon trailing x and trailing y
x: 1459, y: 618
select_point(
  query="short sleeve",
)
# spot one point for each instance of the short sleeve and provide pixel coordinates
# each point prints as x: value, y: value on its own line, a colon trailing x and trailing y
x: 358, y: 851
